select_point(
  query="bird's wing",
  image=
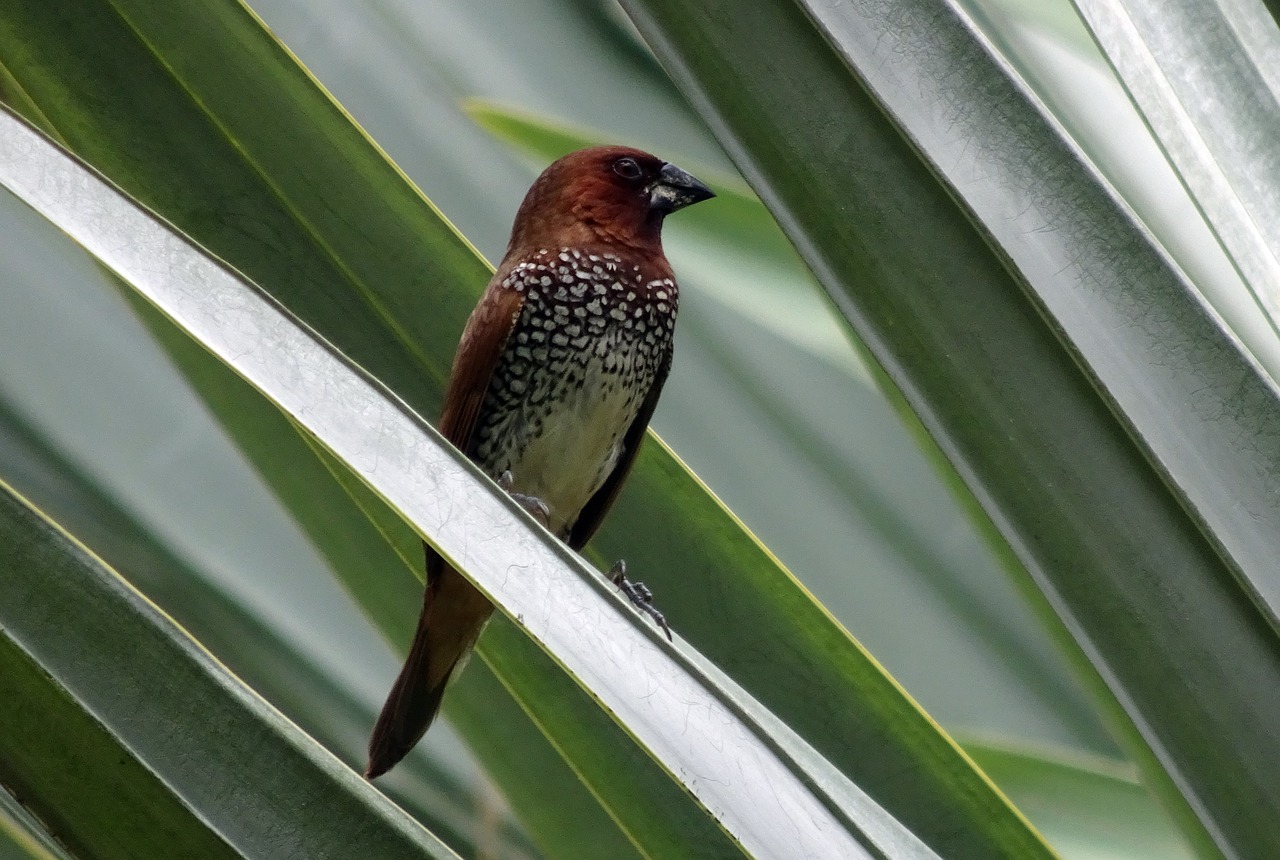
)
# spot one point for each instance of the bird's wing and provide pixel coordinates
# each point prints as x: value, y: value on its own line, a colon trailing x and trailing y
x: 483, y: 340
x: 597, y: 506
x: 453, y: 611
x: 481, y: 346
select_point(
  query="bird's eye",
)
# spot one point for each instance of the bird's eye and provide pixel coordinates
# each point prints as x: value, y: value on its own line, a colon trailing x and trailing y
x: 627, y: 168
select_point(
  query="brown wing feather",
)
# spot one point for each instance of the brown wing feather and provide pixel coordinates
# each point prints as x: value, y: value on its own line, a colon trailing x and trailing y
x: 593, y: 512
x: 481, y: 346
x: 453, y: 611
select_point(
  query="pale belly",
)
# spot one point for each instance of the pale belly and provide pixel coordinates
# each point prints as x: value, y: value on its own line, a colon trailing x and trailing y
x: 566, y: 457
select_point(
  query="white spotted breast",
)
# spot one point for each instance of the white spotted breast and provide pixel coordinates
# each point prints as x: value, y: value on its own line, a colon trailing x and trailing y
x: 592, y: 336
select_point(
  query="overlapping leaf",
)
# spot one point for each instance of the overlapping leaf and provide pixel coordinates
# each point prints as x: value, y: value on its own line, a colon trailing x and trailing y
x: 107, y: 704
x: 1113, y: 431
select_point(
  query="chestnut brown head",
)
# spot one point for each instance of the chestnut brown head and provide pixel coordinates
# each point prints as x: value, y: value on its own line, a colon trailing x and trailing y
x: 603, y: 195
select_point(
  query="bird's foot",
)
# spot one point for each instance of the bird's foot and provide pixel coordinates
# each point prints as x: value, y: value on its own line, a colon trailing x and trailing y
x: 639, y: 594
x: 535, y: 506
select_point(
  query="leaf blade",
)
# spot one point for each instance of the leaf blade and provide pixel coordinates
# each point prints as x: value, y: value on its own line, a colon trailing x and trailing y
x: 68, y: 616
x: 1056, y: 472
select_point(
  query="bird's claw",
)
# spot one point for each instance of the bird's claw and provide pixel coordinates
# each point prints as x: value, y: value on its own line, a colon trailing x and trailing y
x: 639, y: 594
x: 535, y: 506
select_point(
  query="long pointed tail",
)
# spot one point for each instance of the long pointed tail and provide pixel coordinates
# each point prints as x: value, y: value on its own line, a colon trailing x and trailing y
x: 453, y: 614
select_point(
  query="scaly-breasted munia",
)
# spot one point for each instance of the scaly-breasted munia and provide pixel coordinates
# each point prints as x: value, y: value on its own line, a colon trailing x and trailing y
x: 553, y: 384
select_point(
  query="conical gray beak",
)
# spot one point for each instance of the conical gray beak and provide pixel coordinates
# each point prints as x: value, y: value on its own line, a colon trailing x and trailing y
x: 674, y: 189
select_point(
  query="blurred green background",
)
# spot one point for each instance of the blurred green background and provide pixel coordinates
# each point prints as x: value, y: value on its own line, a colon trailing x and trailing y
x: 770, y: 401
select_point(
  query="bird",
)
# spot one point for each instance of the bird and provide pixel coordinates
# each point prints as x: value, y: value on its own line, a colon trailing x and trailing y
x: 554, y: 382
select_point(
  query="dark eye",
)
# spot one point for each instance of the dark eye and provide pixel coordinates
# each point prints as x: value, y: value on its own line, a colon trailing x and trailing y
x: 627, y: 168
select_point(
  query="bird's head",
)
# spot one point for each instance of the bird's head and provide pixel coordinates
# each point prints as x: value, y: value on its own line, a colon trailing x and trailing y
x: 603, y: 195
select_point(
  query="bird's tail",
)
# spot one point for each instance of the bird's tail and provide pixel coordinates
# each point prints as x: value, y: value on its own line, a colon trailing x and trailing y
x: 453, y: 614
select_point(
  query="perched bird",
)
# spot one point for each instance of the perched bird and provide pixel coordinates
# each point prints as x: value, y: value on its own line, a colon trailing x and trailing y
x: 553, y: 384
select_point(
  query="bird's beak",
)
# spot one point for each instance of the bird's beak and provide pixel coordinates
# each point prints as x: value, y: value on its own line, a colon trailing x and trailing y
x: 674, y: 189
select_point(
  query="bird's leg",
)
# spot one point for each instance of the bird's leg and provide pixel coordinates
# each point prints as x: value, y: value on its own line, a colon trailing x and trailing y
x: 534, y: 505
x: 639, y: 594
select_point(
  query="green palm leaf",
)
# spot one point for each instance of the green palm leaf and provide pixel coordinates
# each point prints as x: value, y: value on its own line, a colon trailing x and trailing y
x: 107, y: 704
x: 1108, y: 423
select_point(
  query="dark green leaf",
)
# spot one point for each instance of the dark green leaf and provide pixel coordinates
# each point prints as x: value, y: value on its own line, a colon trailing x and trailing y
x: 118, y: 728
x: 1137, y: 489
